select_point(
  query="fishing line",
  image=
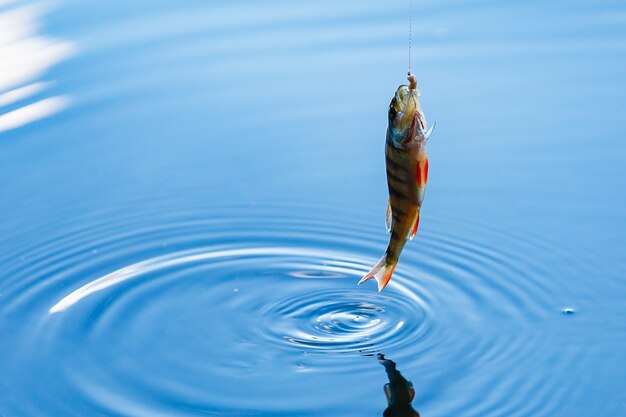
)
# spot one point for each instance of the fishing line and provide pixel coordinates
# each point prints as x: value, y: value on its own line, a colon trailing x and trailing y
x: 410, y: 31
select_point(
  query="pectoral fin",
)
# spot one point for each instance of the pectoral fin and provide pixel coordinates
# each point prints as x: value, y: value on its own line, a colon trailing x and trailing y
x: 389, y: 217
x: 421, y: 172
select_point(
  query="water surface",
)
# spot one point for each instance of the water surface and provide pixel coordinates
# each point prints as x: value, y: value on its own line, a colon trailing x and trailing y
x: 191, y: 191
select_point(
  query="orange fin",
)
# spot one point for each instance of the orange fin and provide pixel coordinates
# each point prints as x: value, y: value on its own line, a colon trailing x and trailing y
x: 381, y: 272
x: 415, y: 225
x: 421, y: 172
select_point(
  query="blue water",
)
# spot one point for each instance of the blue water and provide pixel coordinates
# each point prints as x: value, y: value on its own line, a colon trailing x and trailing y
x: 191, y: 190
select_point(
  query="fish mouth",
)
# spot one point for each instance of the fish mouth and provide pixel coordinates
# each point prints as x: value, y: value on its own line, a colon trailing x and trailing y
x: 404, y: 111
x: 405, y: 104
x: 406, y: 118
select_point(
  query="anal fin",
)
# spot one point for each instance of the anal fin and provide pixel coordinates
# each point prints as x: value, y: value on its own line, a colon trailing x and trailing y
x: 415, y: 225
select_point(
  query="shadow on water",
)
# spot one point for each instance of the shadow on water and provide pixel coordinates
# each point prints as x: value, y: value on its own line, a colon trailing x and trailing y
x: 399, y: 391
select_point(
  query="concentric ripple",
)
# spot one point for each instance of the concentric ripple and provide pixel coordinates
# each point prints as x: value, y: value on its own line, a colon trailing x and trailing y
x: 340, y: 318
x: 337, y: 321
x: 160, y: 311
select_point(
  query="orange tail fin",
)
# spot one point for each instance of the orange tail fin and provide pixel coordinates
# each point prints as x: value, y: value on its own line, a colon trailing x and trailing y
x: 381, y: 272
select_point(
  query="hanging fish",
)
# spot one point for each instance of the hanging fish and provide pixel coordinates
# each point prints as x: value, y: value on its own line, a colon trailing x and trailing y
x: 407, y: 172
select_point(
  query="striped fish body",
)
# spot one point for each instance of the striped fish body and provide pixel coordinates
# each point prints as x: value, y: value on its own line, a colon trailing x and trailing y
x: 407, y: 171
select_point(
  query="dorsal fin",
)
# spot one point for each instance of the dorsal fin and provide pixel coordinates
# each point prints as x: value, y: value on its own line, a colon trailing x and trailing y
x: 389, y: 217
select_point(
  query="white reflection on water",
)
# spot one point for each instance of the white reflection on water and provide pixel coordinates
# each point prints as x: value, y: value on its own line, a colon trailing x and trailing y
x: 32, y: 112
x: 25, y: 55
x: 137, y: 269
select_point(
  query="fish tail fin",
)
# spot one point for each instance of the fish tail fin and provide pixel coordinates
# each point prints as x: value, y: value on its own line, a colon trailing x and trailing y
x: 381, y: 272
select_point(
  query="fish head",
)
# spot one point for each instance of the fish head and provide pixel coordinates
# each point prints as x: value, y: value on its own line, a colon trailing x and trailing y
x: 406, y: 118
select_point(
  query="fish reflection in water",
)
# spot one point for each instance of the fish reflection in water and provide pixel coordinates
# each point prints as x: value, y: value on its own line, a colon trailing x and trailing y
x: 399, y: 391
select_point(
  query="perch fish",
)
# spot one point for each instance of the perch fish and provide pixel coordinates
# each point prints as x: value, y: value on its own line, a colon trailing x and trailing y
x: 407, y: 173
